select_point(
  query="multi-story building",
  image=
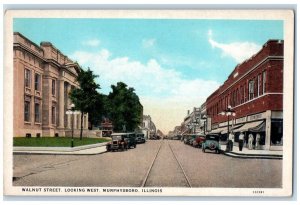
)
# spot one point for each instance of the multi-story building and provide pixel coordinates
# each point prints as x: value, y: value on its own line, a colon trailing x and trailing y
x: 43, y: 78
x: 254, y: 90
x: 148, y: 127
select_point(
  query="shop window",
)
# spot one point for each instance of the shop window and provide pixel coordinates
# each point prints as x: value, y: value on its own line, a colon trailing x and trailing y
x: 276, y: 132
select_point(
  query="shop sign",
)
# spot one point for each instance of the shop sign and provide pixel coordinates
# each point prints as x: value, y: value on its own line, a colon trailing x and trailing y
x: 241, y: 120
x: 258, y: 116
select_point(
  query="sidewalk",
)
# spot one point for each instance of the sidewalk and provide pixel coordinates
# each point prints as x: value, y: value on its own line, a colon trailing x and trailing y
x: 80, y: 150
x: 252, y: 154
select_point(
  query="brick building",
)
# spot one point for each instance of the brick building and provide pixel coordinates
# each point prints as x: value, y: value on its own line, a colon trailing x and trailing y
x: 254, y: 90
x: 43, y: 78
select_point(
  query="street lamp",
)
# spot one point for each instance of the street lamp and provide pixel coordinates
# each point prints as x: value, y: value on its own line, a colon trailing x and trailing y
x: 195, y: 123
x: 205, y: 119
x: 229, y: 111
x: 72, y: 112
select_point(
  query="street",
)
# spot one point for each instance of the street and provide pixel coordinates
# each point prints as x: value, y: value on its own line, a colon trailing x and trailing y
x: 157, y: 163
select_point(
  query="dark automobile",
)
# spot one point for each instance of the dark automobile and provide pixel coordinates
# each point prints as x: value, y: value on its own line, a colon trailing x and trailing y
x: 212, y: 143
x: 131, y: 140
x: 140, y: 138
x: 118, y: 142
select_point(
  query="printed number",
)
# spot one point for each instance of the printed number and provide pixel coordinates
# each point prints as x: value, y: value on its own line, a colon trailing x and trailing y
x: 258, y: 192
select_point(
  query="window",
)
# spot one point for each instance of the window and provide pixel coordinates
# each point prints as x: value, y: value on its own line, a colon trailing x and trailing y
x: 245, y: 96
x: 27, y: 78
x: 53, y: 87
x: 37, y: 82
x: 251, y: 89
x: 53, y: 114
x: 27, y: 111
x: 37, y: 112
x: 264, y: 82
x: 258, y: 85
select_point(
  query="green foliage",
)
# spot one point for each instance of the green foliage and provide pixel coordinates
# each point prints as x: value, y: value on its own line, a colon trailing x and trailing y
x: 124, y: 107
x: 86, y: 97
x: 54, y: 141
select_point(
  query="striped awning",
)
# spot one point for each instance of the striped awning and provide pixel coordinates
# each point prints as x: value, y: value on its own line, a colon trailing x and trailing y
x: 257, y: 126
x: 232, y: 128
x: 219, y: 130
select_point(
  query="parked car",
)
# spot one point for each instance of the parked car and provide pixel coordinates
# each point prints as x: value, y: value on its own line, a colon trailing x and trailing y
x: 140, y: 138
x: 212, y: 143
x: 198, y: 141
x: 118, y: 142
x: 131, y: 140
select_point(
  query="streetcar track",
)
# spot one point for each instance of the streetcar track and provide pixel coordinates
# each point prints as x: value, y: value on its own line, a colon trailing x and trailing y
x: 186, y: 178
x: 148, y: 172
x: 176, y: 159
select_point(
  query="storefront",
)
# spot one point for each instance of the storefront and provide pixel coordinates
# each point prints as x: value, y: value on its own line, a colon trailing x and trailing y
x: 266, y: 129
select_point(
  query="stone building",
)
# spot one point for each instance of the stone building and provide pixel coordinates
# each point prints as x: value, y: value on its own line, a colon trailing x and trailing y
x: 254, y: 90
x: 43, y: 78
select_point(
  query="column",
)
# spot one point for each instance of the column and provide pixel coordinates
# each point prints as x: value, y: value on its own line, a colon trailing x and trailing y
x: 268, y: 130
x: 61, y: 107
x: 86, y: 120
x: 79, y: 121
x: 75, y: 121
x: 69, y: 106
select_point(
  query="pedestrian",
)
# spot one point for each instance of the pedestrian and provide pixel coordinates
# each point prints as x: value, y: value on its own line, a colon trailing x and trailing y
x: 241, y: 141
x: 231, y: 138
x: 257, y: 143
x: 250, y: 141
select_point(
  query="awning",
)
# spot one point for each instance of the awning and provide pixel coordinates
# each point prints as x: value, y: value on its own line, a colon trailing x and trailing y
x: 219, y: 130
x: 258, y: 126
x: 231, y: 128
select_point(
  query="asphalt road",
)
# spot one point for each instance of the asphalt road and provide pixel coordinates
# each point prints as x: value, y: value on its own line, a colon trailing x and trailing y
x: 130, y: 168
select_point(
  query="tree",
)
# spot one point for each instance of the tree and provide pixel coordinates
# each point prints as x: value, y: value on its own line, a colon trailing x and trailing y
x: 125, y: 109
x: 86, y: 96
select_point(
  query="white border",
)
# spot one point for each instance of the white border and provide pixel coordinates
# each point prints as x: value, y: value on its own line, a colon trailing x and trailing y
x: 286, y: 16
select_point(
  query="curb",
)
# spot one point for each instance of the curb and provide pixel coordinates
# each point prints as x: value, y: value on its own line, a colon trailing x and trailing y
x: 251, y: 156
x: 58, y: 150
x: 53, y: 153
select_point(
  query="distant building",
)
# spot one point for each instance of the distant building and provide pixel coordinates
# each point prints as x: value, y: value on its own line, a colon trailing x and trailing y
x: 106, y: 127
x: 43, y: 78
x: 148, y: 127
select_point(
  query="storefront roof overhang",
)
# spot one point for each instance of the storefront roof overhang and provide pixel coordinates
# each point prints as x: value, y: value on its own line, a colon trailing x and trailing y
x: 219, y: 130
x: 257, y: 126
x: 232, y: 128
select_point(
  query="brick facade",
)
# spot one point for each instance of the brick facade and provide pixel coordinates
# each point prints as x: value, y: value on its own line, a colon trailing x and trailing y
x: 254, y: 86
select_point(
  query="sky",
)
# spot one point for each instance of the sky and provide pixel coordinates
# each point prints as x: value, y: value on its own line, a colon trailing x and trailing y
x: 173, y: 64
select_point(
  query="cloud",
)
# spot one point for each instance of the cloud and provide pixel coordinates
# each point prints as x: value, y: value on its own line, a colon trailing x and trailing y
x: 239, y: 51
x: 91, y: 42
x: 147, y: 43
x: 164, y: 92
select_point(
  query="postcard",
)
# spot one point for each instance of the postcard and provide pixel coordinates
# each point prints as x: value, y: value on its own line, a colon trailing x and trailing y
x: 148, y: 102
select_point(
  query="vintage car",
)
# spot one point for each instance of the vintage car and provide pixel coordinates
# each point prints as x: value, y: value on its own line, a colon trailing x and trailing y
x: 212, y: 143
x: 198, y: 141
x: 131, y: 139
x: 118, y: 142
x: 140, y: 138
